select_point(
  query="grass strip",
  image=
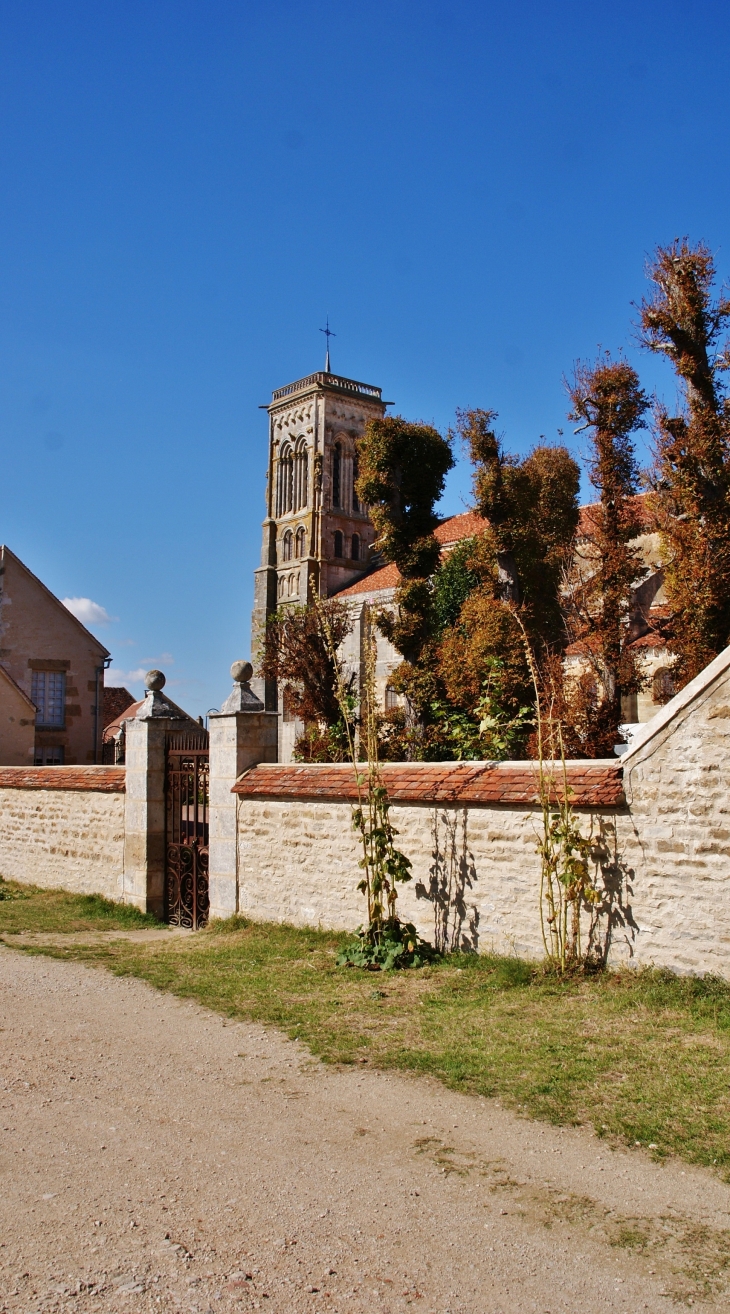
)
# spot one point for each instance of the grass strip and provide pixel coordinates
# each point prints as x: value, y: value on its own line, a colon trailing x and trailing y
x: 642, y: 1056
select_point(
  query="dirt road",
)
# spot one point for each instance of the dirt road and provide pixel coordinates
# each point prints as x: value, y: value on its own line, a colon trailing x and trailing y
x: 157, y: 1157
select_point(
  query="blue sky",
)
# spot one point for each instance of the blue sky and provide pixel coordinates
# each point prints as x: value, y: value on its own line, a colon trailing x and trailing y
x: 470, y: 191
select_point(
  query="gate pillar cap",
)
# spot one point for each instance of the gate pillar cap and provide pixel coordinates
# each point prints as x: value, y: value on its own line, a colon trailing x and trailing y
x: 242, y: 697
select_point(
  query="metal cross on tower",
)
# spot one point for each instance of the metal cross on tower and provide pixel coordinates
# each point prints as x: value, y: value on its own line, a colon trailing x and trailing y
x: 328, y: 334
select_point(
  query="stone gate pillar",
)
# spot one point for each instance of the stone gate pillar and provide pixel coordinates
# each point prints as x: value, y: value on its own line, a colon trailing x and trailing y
x: 242, y: 734
x: 144, y: 807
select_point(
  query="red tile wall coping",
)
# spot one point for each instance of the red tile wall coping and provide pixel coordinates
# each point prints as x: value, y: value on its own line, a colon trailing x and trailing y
x: 591, y: 784
x: 99, y: 779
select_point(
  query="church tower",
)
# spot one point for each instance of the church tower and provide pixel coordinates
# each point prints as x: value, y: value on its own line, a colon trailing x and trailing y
x: 317, y: 536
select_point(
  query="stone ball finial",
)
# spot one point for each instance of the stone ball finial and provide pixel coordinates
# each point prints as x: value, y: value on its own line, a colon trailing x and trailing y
x: 241, y: 672
x: 154, y: 680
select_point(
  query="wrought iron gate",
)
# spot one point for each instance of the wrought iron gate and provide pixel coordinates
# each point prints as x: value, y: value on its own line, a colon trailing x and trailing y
x: 186, y: 829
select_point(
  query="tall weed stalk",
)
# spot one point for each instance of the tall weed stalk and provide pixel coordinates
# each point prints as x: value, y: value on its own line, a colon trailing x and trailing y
x: 566, y: 887
x: 385, y: 941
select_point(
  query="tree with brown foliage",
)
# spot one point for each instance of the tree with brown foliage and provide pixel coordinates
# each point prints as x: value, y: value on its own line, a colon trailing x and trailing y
x: 532, y: 508
x: 608, y: 401
x: 297, y: 654
x: 402, y: 471
x: 683, y: 320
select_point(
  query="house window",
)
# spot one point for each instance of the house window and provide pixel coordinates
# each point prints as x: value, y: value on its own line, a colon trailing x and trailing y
x: 48, y: 757
x: 339, y: 546
x: 355, y: 477
x: 48, y: 692
x: 391, y: 698
x: 355, y: 547
x: 629, y: 708
x: 287, y: 705
x: 662, y: 686
x: 301, y: 541
x: 336, y: 476
x: 287, y: 548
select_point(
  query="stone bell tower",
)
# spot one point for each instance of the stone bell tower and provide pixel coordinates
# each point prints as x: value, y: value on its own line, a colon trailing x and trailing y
x: 317, y: 537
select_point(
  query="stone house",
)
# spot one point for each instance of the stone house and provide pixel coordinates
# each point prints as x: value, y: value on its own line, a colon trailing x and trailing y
x: 17, y: 723
x: 53, y: 675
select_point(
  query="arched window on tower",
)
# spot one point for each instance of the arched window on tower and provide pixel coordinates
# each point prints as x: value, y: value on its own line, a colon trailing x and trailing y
x: 355, y: 477
x: 287, y: 546
x: 355, y: 553
x: 301, y: 542
x: 336, y: 475
x: 339, y: 547
x: 285, y: 481
x: 301, y: 475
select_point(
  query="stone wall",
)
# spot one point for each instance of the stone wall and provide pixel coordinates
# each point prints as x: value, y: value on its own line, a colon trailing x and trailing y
x: 677, y: 785
x: 470, y: 831
x: 661, y: 819
x: 63, y: 827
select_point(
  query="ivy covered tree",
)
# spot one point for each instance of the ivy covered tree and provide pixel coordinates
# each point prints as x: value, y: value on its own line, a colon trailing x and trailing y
x: 532, y: 508
x: 297, y: 654
x: 402, y: 472
x: 685, y: 321
x: 609, y: 403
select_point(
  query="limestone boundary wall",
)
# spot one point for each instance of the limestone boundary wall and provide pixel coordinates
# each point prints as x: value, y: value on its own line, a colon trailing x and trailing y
x: 660, y: 818
x: 63, y: 827
x: 469, y: 829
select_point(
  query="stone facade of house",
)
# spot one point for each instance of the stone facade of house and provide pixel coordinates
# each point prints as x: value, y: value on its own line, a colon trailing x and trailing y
x: 56, y: 663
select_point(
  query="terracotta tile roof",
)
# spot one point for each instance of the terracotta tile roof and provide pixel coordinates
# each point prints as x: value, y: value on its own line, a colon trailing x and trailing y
x: 455, y: 528
x: 100, y: 779
x: 115, y: 699
x: 586, y: 525
x: 128, y: 714
x: 448, y: 532
x: 385, y: 578
x: 593, y: 784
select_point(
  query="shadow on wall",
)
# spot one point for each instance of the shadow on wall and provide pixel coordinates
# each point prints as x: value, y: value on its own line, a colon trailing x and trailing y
x: 614, y: 913
x: 451, y: 874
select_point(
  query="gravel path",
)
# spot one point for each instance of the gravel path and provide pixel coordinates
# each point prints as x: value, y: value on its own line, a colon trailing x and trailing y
x: 157, y: 1157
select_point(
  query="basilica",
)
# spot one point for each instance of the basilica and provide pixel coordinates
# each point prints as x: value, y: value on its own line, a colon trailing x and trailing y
x: 318, y: 538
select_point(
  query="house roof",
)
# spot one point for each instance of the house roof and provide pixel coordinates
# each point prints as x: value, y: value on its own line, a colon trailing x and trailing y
x: 115, y: 699
x: 466, y: 525
x: 5, y: 675
x: 130, y: 713
x: 6, y: 551
x: 115, y: 726
x: 641, y: 507
x: 449, y: 532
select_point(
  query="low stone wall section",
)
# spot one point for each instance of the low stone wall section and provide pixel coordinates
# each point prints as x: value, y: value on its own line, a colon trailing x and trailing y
x: 660, y: 818
x: 63, y: 827
x: 470, y: 830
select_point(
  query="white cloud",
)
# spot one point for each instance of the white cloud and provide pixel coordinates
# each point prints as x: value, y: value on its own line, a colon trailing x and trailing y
x: 88, y: 612
x: 115, y: 677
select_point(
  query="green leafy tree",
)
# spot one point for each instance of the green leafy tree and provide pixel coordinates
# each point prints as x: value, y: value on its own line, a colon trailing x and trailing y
x: 610, y: 404
x: 402, y: 472
x: 685, y: 321
x: 532, y: 508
